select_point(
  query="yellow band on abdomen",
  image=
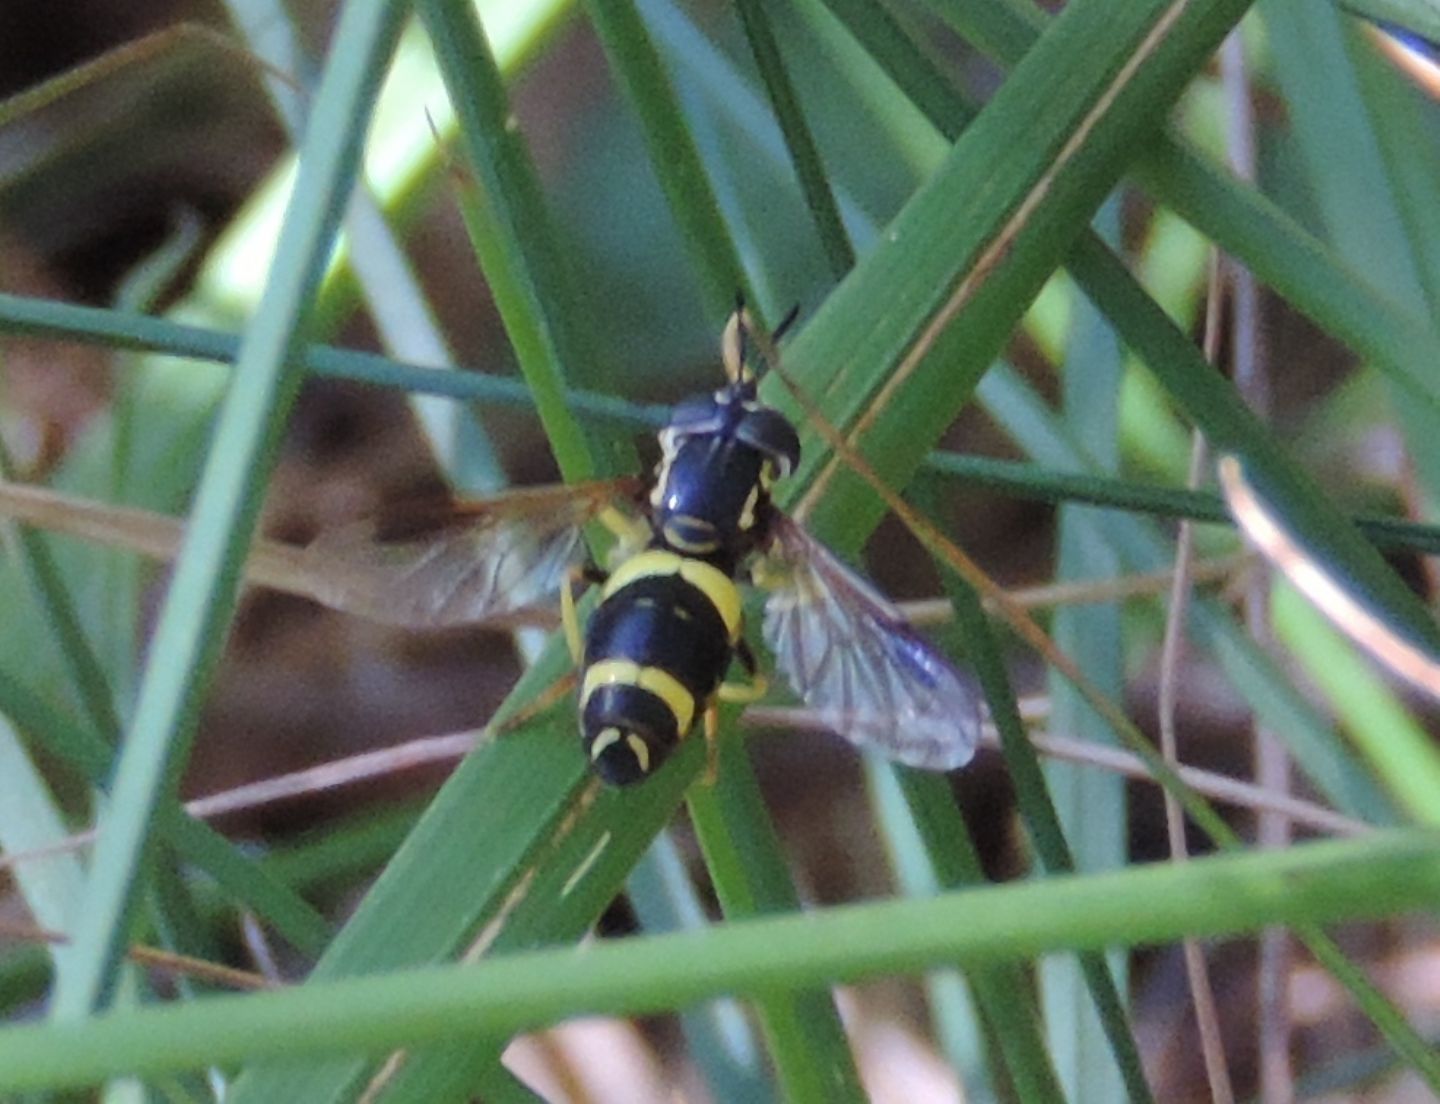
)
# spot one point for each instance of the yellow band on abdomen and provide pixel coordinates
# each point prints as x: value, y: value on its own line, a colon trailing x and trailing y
x: 664, y: 685
x: 718, y: 588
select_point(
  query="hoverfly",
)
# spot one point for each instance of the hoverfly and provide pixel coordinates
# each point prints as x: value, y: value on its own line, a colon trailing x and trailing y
x: 657, y: 647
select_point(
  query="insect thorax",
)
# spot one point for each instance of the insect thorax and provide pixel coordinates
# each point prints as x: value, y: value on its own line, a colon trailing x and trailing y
x: 721, y: 454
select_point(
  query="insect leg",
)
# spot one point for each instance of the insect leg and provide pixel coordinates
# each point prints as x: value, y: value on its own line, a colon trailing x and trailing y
x: 629, y: 531
x: 712, y: 744
x: 590, y: 575
x: 745, y: 692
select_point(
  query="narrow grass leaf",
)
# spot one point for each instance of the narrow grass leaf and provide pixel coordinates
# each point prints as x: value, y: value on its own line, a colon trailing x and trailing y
x: 1043, y: 822
x: 804, y: 153
x: 742, y: 853
x: 202, y: 595
x: 1091, y: 805
x: 515, y: 239
x: 638, y: 69
x: 1003, y: 993
x: 718, y: 1036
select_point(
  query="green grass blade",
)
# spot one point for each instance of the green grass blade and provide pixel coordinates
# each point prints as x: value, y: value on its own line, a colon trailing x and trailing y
x: 742, y: 853
x: 1246, y: 225
x: 1091, y: 805
x: 1043, y: 822
x: 804, y: 153
x: 718, y: 1036
x: 977, y: 244
x: 1319, y: 752
x: 392, y: 294
x: 207, y: 576
x: 519, y: 250
x: 1393, y: 742
x: 1037, y: 483
x: 638, y: 69
x: 1384, y: 874
x: 1002, y: 992
x: 121, y: 330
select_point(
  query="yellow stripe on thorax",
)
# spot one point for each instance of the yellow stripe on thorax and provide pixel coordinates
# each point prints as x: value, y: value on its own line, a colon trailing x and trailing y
x: 710, y: 581
x: 662, y: 684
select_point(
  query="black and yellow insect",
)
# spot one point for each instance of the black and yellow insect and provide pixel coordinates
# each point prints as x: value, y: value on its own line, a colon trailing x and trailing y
x: 668, y: 626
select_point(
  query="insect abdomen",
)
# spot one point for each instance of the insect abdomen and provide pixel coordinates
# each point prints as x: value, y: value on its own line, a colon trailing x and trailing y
x: 656, y: 649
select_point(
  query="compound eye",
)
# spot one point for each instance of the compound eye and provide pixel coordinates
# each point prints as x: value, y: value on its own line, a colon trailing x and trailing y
x: 770, y: 433
x: 620, y: 757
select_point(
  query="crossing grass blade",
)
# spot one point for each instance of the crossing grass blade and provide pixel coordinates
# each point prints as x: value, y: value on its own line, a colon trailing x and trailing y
x: 1080, y: 1014
x: 747, y: 867
x: 1320, y: 883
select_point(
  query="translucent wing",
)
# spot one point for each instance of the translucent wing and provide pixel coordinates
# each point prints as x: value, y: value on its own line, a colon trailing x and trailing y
x: 500, y: 560
x: 850, y: 655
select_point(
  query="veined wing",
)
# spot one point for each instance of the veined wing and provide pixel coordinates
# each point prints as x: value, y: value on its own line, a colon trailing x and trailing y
x: 854, y: 659
x: 498, y: 560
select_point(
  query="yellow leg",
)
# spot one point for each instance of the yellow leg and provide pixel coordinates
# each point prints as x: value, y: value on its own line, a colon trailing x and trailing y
x: 744, y: 692
x: 741, y: 692
x: 571, y: 621
x: 629, y: 531
x: 712, y: 744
